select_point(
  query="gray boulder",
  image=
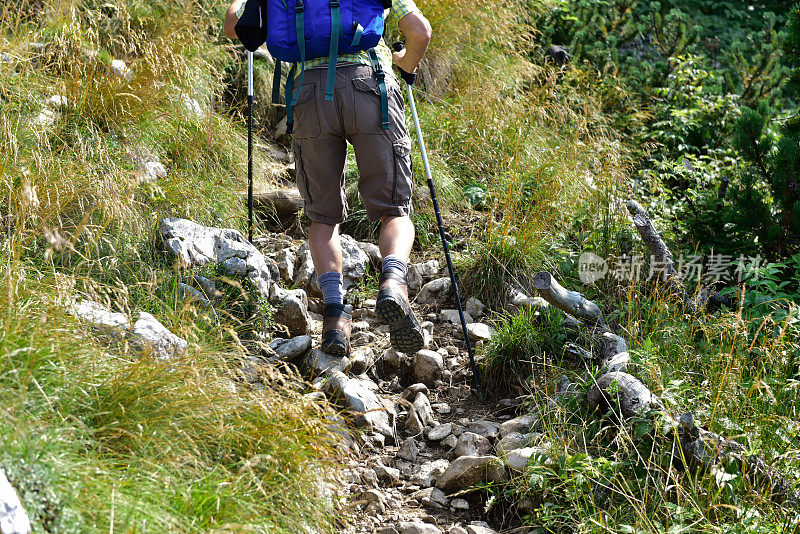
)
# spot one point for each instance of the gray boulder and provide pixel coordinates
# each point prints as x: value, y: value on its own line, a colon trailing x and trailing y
x: 289, y: 350
x: 151, y: 337
x: 357, y: 397
x: 440, y: 432
x: 13, y: 518
x: 286, y: 260
x: 520, y: 425
x: 373, y: 253
x: 418, y: 527
x: 409, y: 450
x: 452, y: 316
x: 196, y: 245
x: 513, y: 441
x: 100, y: 317
x: 428, y: 367
x: 468, y: 471
x: 426, y: 474
x: 518, y: 459
x: 320, y: 364
x: 471, y: 444
x: 487, y: 429
x: 292, y: 310
x: 479, y: 332
x: 474, y: 307
x: 421, y: 273
x: 436, y: 292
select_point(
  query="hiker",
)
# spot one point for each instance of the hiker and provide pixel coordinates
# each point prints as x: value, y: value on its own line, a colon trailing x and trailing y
x: 321, y: 129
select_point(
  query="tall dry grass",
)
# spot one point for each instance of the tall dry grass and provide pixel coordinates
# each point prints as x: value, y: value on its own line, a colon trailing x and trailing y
x: 94, y: 437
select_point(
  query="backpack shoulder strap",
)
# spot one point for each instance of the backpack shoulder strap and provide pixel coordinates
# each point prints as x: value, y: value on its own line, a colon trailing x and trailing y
x: 336, y: 31
x: 381, y: 76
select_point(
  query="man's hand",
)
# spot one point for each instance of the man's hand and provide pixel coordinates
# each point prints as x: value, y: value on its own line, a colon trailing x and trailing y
x: 417, y: 31
x: 231, y: 18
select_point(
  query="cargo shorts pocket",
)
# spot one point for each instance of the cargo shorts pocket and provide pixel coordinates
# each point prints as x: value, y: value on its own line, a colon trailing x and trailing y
x: 300, y: 172
x: 306, y: 118
x: 367, y: 100
x: 403, y: 175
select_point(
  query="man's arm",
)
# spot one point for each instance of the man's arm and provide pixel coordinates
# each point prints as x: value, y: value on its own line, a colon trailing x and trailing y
x: 231, y: 18
x: 417, y: 31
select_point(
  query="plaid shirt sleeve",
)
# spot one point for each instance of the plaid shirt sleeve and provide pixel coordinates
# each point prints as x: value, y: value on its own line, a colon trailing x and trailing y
x: 400, y: 8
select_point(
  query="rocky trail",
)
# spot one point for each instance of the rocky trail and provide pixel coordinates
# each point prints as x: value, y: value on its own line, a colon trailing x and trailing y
x: 415, y: 438
x: 420, y: 451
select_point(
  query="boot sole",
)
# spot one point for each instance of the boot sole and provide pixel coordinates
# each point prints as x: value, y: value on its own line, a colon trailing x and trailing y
x: 405, y: 332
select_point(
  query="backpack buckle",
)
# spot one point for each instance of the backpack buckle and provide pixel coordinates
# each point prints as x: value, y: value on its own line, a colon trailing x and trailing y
x: 334, y: 3
x: 299, y: 7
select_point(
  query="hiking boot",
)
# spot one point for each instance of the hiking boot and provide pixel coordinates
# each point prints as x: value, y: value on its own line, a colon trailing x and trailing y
x: 394, y: 309
x: 336, y: 326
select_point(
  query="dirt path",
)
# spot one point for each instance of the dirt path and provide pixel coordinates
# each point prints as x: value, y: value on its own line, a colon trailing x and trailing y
x: 391, y: 486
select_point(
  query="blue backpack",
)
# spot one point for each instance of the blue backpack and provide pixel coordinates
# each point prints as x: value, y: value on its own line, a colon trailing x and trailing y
x: 299, y: 30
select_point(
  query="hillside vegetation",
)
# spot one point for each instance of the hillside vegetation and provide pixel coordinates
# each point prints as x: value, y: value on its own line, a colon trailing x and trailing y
x: 534, y: 162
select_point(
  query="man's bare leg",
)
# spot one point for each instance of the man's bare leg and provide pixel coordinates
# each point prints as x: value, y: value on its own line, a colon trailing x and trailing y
x: 397, y: 237
x: 326, y: 247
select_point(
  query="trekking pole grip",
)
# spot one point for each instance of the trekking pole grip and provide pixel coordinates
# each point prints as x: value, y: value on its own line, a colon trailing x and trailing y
x: 409, y: 77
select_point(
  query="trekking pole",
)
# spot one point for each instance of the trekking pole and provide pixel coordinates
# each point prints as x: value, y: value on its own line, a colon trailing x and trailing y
x: 410, y: 78
x: 250, y: 146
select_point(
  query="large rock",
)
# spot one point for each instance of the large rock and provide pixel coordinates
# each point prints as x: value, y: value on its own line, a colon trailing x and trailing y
x: 292, y: 310
x: 409, y: 450
x: 468, y: 471
x: 354, y: 265
x: 152, y: 337
x: 520, y: 425
x: 291, y: 349
x: 304, y: 274
x: 452, y: 316
x: 427, y: 473
x: 474, y: 307
x: 100, y: 317
x: 196, y: 245
x: 439, y: 432
x: 436, y: 292
x: 518, y: 459
x: 357, y: 397
x: 420, y: 415
x: 471, y: 444
x: 13, y: 518
x: 286, y: 260
x: 373, y: 253
x: 513, y: 441
x: 428, y: 367
x: 195, y: 297
x: 418, y: 527
x: 421, y: 273
x: 422, y: 406
x: 318, y: 364
x: 487, y: 429
x: 476, y: 528
x: 479, y: 332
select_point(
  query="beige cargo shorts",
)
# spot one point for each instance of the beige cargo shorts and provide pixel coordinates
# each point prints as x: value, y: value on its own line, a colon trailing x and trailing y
x: 322, y: 130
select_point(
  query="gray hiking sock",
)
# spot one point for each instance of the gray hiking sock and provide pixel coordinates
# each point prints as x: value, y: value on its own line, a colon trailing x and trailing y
x: 331, y: 286
x: 393, y: 264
